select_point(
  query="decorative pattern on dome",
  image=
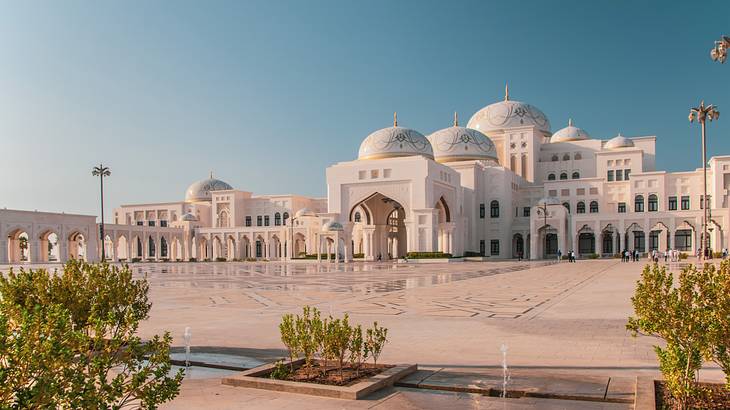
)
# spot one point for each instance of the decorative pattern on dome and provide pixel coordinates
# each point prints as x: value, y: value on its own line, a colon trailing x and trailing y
x: 569, y: 133
x: 200, y: 191
x: 508, y: 114
x: 395, y: 142
x: 459, y: 143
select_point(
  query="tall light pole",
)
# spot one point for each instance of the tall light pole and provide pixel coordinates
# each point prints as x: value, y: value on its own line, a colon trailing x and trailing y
x: 701, y: 114
x: 101, y: 171
x: 719, y: 52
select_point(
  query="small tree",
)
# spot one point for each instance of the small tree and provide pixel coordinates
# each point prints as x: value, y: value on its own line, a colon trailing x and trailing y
x: 375, y: 340
x: 308, y: 330
x: 337, y: 340
x: 716, y: 291
x: 358, y: 351
x: 679, y: 316
x: 289, y: 337
x: 69, y: 341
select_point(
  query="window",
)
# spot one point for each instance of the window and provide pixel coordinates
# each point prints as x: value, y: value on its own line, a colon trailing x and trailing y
x: 277, y: 219
x: 151, y: 223
x: 685, y: 203
x: 494, y: 209
x: 626, y: 174
x: 683, y: 239
x: 653, y: 203
x: 639, y: 241
x: 706, y: 202
x: 551, y: 177
x: 580, y: 191
x: 373, y: 174
x: 481, y: 211
x: 594, y: 207
x: 512, y: 165
x: 140, y: 223
x: 578, y: 156
x: 576, y: 175
x: 482, y: 248
x: 555, y: 157
x: 609, y: 175
x: 563, y: 175
x: 619, y: 175
x: 593, y: 190
x: 566, y: 157
x: 639, y: 203
x: 358, y: 218
x: 163, y: 224
x: 266, y: 220
x: 526, y: 211
x: 259, y: 220
x: 622, y: 207
x: 567, y: 206
x: 494, y: 247
x: 672, y: 203
x: 248, y: 220
x: 286, y: 217
x: 581, y: 207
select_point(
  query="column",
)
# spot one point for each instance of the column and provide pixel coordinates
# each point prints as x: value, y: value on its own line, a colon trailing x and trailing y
x: 4, y: 252
x: 337, y: 247
x: 318, y: 240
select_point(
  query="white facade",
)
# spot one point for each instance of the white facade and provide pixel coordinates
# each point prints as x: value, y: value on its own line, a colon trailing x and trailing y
x: 503, y: 186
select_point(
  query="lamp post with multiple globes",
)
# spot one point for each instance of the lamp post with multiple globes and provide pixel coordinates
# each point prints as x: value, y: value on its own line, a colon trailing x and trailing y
x: 719, y: 52
x: 701, y: 114
x: 101, y: 171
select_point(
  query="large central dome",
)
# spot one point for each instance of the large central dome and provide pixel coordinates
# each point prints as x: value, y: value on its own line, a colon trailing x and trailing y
x: 200, y: 191
x: 508, y: 114
x: 395, y: 141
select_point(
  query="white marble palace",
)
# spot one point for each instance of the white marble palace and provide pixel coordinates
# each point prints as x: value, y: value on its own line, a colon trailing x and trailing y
x: 503, y: 186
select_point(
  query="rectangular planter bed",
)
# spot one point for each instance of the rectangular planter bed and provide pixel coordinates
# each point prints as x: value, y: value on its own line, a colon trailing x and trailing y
x: 258, y: 378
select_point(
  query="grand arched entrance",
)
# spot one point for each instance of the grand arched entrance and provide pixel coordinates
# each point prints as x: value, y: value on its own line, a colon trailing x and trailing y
x: 383, y: 230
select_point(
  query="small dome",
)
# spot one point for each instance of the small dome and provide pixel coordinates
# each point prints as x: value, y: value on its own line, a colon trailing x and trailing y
x: 569, y: 133
x: 200, y: 191
x: 332, y: 226
x: 508, y: 114
x: 304, y: 212
x: 188, y: 217
x: 549, y: 200
x: 461, y: 144
x: 395, y: 141
x: 619, y: 141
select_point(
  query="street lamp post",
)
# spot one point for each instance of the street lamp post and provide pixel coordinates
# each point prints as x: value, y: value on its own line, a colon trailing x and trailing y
x: 101, y: 171
x: 544, y: 226
x: 719, y: 52
x: 291, y: 237
x: 701, y: 114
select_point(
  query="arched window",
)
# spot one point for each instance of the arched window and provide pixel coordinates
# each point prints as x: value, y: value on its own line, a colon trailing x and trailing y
x: 639, y: 203
x: 358, y: 218
x: 555, y: 157
x: 653, y: 203
x: 494, y: 209
x: 566, y: 157
x: 576, y: 175
x: 581, y: 207
x: 551, y: 177
x: 523, y: 165
x: 223, y: 219
x: 286, y: 217
x: 577, y: 156
x: 563, y: 175
x: 594, y: 207
x: 512, y: 164
x: 567, y: 206
x: 277, y: 219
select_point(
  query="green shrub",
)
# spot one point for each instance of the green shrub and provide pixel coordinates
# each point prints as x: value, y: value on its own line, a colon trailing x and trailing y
x: 683, y: 256
x: 136, y: 260
x: 68, y: 340
x: 717, y: 255
x: 428, y: 255
x: 193, y: 260
x: 289, y: 337
x: 594, y: 256
x: 472, y: 254
x: 358, y: 256
x: 677, y: 315
x: 280, y: 371
x: 220, y: 259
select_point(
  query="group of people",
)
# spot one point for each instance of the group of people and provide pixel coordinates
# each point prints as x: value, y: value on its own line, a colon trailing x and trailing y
x: 627, y: 255
x: 570, y: 255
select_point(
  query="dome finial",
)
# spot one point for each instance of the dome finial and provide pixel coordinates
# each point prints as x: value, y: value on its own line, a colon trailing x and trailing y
x: 456, y: 119
x: 395, y: 118
x: 506, y: 91
x: 570, y: 122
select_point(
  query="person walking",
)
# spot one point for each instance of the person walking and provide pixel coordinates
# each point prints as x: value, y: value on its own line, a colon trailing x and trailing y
x: 560, y: 255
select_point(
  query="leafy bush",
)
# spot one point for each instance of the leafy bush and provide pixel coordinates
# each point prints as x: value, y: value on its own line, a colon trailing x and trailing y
x: 358, y: 256
x: 683, y: 256
x: 219, y: 259
x: 280, y: 371
x: 69, y: 340
x: 677, y: 315
x: 594, y: 256
x: 193, y: 260
x: 472, y: 254
x: 717, y: 255
x: 136, y: 259
x: 428, y: 255
x: 330, y: 339
x: 717, y: 303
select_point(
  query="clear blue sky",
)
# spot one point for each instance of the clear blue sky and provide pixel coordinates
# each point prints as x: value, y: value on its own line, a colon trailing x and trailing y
x: 267, y: 94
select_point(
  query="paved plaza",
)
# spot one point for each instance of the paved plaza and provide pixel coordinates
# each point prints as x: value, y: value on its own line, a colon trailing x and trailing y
x: 450, y: 318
